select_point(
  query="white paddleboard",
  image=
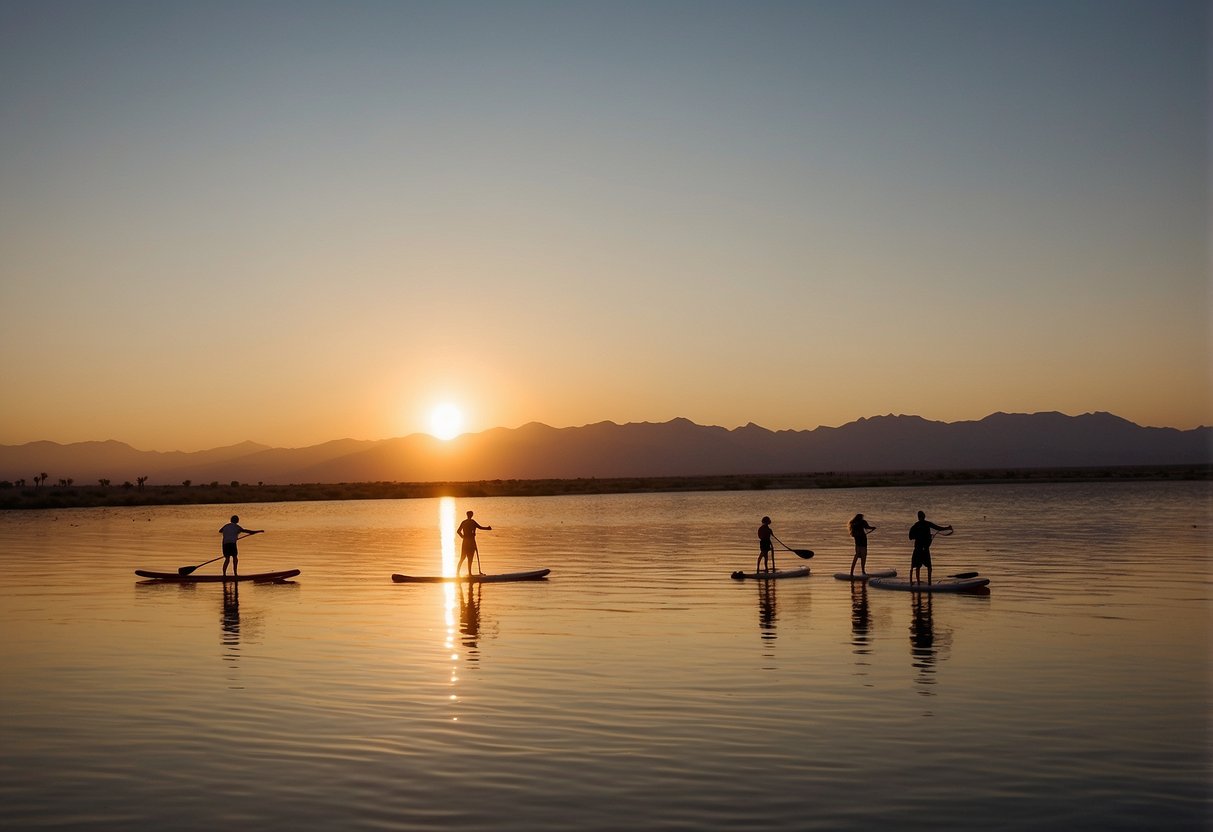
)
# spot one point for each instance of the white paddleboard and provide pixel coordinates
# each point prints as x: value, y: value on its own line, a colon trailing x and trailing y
x: 937, y: 585
x: 875, y: 573
x: 799, y: 572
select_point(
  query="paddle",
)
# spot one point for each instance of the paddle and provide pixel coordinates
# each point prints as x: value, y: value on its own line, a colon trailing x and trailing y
x: 189, y: 570
x: 804, y: 553
x: 964, y: 575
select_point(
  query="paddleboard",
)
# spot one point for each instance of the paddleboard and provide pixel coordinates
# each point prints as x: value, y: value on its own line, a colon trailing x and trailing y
x: 799, y: 572
x: 875, y: 573
x: 533, y: 575
x: 937, y: 585
x: 262, y: 577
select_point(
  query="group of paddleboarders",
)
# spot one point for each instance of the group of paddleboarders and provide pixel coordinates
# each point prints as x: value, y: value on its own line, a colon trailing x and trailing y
x: 922, y: 533
x: 233, y: 531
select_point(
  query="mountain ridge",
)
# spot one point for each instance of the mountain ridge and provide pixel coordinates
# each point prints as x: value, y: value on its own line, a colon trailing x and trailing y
x: 678, y: 447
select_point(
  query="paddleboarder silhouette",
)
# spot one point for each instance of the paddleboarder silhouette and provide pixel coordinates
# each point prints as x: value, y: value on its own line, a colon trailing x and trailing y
x: 766, y: 549
x: 920, y: 533
x: 232, y: 532
x: 467, y: 533
x: 859, y: 529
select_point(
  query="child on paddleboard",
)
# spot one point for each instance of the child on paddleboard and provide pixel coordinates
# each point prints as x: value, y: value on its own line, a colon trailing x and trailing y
x: 765, y: 547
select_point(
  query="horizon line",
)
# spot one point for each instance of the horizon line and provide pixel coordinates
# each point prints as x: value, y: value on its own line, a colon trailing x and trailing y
x: 747, y: 425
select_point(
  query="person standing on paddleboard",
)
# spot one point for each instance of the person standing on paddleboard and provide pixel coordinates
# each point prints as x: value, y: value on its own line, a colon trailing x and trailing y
x: 765, y: 547
x: 859, y: 529
x: 467, y: 533
x: 920, y: 533
x: 231, y: 533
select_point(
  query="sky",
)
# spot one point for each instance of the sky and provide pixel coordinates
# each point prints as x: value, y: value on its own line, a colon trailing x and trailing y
x: 291, y: 222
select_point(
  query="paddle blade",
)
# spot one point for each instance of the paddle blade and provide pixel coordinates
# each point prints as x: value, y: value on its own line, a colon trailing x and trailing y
x: 964, y: 575
x: 804, y: 553
x: 186, y: 570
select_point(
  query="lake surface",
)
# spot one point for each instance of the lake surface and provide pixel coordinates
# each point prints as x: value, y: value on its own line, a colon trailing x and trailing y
x: 638, y: 687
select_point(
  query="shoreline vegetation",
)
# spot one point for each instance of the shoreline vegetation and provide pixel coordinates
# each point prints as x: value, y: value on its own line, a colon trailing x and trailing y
x: 70, y: 495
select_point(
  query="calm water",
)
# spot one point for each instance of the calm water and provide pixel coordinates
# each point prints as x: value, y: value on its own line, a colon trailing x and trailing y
x: 639, y: 686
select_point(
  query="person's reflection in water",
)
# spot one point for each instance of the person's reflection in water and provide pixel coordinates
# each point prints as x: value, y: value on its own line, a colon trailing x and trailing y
x: 927, y: 647
x: 231, y: 615
x: 767, y: 616
x: 230, y: 624
x: 469, y: 618
x: 861, y: 625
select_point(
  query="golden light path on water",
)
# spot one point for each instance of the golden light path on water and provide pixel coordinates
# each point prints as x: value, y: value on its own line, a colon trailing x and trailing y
x: 446, y: 525
x: 1020, y: 702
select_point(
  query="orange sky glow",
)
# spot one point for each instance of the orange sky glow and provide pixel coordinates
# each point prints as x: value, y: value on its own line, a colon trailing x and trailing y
x: 217, y: 228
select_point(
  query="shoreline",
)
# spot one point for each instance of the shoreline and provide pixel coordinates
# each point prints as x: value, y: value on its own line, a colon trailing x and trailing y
x: 96, y: 496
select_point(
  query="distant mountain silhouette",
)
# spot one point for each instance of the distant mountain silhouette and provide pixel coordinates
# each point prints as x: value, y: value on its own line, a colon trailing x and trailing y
x: 675, y: 448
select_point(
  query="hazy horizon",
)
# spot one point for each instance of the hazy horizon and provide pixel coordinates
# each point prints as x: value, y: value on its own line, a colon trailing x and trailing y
x: 293, y: 222
x: 428, y: 434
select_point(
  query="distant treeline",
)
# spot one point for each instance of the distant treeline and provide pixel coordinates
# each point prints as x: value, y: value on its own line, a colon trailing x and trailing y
x: 14, y: 496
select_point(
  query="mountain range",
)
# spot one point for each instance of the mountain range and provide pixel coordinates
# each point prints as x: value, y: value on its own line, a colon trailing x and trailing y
x: 644, y: 449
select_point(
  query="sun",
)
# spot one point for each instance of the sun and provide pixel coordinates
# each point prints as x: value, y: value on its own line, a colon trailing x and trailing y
x: 446, y: 421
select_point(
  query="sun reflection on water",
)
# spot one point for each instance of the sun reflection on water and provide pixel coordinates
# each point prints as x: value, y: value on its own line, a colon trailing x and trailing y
x: 450, y: 603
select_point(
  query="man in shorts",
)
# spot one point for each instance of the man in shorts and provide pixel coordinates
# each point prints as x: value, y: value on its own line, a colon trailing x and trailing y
x: 232, y: 532
x: 921, y: 534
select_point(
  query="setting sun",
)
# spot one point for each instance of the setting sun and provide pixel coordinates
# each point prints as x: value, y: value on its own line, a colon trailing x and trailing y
x: 446, y: 421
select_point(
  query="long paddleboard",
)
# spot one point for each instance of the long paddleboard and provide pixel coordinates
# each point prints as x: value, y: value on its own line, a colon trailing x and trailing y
x: 173, y: 577
x: 937, y: 585
x: 863, y: 576
x: 533, y: 575
x: 773, y: 575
